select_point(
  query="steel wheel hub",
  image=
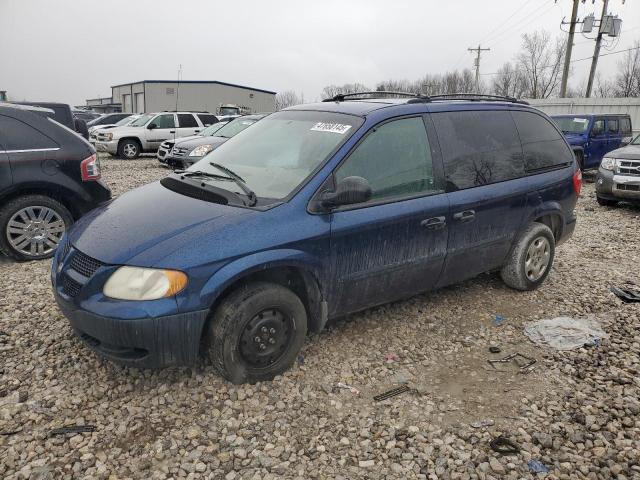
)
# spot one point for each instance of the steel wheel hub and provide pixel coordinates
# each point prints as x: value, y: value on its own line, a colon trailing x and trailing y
x: 130, y: 150
x: 35, y: 231
x: 538, y: 257
x: 265, y: 338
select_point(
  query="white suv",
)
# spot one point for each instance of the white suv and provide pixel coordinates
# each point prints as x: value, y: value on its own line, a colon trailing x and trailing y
x: 147, y: 132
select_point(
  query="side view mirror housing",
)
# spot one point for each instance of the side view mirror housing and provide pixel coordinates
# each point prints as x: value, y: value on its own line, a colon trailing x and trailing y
x: 152, y: 126
x: 349, y: 191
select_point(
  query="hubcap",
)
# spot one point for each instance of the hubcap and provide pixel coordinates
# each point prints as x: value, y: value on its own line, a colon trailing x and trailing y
x: 538, y: 256
x: 130, y: 150
x: 35, y: 231
x: 265, y: 338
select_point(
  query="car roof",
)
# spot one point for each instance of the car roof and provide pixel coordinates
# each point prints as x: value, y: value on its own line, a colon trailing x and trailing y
x: 589, y: 115
x: 29, y: 108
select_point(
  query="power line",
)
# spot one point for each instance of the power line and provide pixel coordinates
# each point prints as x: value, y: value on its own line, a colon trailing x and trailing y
x: 488, y: 35
x: 518, y: 25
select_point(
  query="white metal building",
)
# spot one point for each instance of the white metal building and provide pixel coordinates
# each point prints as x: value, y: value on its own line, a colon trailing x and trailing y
x: 189, y: 95
x: 559, y: 106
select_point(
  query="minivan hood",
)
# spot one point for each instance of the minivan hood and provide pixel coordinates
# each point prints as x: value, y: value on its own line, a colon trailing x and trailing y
x: 145, y: 225
x: 215, y: 142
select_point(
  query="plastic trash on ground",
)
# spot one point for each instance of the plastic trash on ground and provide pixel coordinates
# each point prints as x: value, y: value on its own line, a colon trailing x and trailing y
x: 566, y: 333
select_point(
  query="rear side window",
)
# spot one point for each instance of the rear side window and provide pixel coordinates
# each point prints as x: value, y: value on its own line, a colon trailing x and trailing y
x: 625, y: 126
x: 598, y: 127
x: 164, y: 121
x: 612, y: 125
x: 478, y: 148
x: 186, y: 120
x: 207, y: 119
x: 17, y: 135
x: 395, y: 158
x: 542, y: 144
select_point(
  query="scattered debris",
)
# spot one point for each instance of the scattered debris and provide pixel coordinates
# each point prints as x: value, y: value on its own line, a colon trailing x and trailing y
x: 72, y: 429
x: 565, y: 333
x: 498, y: 320
x: 391, y: 357
x: 344, y: 386
x: 494, y: 349
x: 391, y: 393
x: 502, y: 444
x: 10, y: 432
x: 482, y: 423
x: 536, y: 466
x: 523, y: 362
x: 627, y: 295
x: 300, y: 359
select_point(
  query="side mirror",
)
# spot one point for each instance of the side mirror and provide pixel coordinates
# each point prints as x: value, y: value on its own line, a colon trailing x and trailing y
x: 152, y: 126
x: 349, y: 191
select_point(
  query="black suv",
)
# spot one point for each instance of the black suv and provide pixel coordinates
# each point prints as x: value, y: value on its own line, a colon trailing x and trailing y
x: 49, y: 177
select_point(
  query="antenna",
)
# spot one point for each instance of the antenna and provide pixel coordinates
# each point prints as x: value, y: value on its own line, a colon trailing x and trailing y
x: 178, y: 89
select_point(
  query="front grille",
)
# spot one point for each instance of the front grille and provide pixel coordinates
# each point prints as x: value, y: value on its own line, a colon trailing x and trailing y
x: 84, y: 264
x: 627, y: 187
x: 629, y: 167
x: 179, y: 151
x: 69, y: 286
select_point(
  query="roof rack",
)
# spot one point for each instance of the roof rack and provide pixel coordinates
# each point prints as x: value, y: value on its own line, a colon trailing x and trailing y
x: 341, y: 96
x: 477, y: 97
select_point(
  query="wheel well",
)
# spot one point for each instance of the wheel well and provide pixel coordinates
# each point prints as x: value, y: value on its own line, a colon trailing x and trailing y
x: 554, y: 222
x: 298, y: 280
x: 135, y: 139
x: 66, y: 198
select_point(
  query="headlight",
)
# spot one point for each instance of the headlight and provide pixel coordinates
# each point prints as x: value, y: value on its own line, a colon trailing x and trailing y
x: 201, y: 151
x: 608, y: 163
x: 134, y: 283
x: 108, y: 136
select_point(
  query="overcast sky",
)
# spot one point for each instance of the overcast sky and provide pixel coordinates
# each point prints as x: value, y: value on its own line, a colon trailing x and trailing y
x: 71, y: 50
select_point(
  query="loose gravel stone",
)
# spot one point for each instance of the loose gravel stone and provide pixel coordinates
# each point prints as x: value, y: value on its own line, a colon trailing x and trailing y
x: 576, y: 412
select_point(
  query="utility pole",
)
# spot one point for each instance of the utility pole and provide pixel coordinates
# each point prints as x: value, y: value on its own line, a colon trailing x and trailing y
x: 567, y: 57
x: 477, y: 64
x: 596, y: 51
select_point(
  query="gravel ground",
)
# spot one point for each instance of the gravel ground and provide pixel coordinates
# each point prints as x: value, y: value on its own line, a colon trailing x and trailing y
x: 577, y: 412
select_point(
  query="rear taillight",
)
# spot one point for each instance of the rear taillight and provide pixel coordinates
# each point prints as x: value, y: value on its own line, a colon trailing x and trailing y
x: 577, y: 181
x: 90, y: 168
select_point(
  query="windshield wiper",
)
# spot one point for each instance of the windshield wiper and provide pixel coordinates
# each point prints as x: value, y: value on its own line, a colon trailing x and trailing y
x: 200, y: 173
x: 239, y: 181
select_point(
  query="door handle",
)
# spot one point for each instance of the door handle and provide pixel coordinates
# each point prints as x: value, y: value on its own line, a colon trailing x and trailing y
x: 197, y: 131
x: 172, y: 131
x: 435, y: 223
x: 465, y: 216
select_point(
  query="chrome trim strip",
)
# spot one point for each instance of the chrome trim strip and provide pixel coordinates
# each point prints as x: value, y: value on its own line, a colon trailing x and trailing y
x: 33, y: 150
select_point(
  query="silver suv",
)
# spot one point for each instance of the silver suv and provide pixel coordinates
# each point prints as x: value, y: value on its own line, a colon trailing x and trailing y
x: 147, y: 133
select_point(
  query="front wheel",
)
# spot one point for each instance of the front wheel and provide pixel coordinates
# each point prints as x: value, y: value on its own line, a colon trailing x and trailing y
x: 531, y: 259
x: 256, y: 332
x: 32, y: 226
x: 129, y: 149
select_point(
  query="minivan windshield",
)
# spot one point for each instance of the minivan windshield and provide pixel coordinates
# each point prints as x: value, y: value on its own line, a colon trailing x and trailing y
x: 636, y: 141
x: 211, y: 129
x: 234, y: 127
x: 142, y: 121
x: 125, y: 121
x: 279, y: 152
x: 572, y: 124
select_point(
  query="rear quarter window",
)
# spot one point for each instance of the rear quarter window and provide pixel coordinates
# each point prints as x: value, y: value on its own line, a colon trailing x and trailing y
x: 207, y: 119
x: 478, y: 148
x: 542, y: 145
x: 17, y: 135
x: 625, y: 126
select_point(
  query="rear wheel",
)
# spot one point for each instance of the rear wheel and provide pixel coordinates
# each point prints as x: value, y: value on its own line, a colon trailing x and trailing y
x: 256, y: 332
x: 129, y: 149
x: 606, y: 203
x: 531, y: 259
x: 32, y: 226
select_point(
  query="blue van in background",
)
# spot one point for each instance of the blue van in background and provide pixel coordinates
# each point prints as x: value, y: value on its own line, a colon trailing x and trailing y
x: 592, y: 136
x: 313, y: 213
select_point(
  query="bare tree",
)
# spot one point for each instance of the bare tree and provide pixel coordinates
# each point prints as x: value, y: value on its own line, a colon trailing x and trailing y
x: 333, y: 90
x: 509, y: 81
x: 627, y: 80
x: 541, y: 63
x: 288, y: 98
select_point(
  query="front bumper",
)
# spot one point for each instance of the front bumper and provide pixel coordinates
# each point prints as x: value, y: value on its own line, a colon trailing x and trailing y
x: 121, y: 331
x: 108, y: 147
x: 182, y: 162
x: 613, y: 186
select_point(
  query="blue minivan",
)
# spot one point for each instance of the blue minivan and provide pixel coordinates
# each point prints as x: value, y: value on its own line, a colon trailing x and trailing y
x: 315, y: 212
x: 592, y: 136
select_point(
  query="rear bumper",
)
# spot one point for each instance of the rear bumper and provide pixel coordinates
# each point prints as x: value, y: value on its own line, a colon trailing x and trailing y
x: 611, y: 186
x: 144, y: 343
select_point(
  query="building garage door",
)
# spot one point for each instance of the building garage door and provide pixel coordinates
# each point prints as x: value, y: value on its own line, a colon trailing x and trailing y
x: 139, y: 102
x: 126, y: 103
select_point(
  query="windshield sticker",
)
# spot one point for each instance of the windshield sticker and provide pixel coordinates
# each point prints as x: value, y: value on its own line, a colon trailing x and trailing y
x: 331, y: 127
x: 580, y: 120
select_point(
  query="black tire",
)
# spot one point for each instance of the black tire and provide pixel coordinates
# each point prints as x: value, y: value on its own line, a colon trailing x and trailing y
x: 606, y: 203
x: 129, y: 149
x: 516, y: 273
x: 241, y: 313
x: 20, y: 203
